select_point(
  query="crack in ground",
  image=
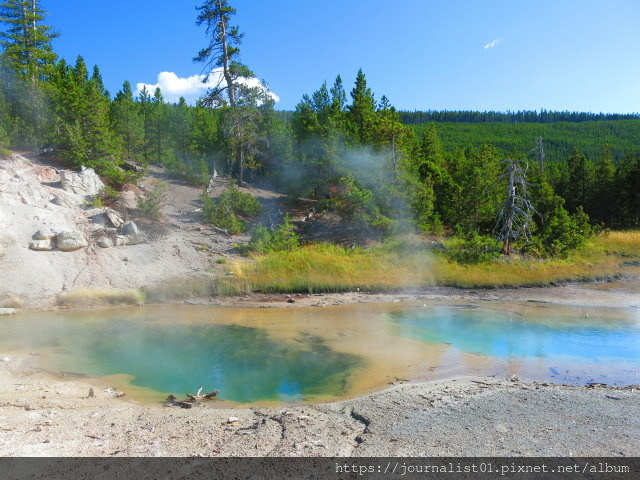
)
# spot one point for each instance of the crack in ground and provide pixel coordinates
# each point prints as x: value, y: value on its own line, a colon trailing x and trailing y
x: 365, y: 421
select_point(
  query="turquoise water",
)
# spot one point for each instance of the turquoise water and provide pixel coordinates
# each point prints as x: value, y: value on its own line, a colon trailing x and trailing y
x: 306, y: 354
x: 504, y: 335
x: 244, y: 363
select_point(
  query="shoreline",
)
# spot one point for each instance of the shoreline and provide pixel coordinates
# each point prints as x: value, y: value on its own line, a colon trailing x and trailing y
x: 466, y: 416
x: 587, y: 293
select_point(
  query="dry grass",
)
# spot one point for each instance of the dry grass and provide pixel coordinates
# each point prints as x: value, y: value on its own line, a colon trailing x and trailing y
x: 92, y: 297
x: 621, y: 242
x: 11, y: 302
x: 328, y: 268
x: 525, y: 272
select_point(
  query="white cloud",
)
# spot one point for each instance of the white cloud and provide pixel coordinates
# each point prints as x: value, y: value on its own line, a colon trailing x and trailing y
x: 492, y: 44
x: 191, y: 88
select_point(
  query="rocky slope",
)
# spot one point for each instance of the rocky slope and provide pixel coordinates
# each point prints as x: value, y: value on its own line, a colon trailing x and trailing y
x: 52, y: 241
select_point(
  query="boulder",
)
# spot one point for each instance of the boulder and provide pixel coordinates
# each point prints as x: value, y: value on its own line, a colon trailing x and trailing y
x: 44, y: 234
x: 115, y: 219
x: 44, y: 245
x: 130, y: 229
x: 85, y: 183
x: 70, y: 241
x: 132, y: 235
x: 105, y: 242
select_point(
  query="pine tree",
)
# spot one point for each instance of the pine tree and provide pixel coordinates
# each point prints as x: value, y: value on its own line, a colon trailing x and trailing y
x: 145, y: 108
x: 580, y: 174
x: 603, y: 200
x: 28, y: 60
x: 127, y: 123
x: 203, y: 136
x: 361, y: 116
x: 338, y: 100
x: 221, y: 52
x: 159, y: 126
x: 627, y: 187
x: 84, y: 129
x: 26, y: 42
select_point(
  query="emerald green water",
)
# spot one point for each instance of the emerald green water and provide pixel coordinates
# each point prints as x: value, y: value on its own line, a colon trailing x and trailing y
x: 309, y: 354
x: 242, y: 362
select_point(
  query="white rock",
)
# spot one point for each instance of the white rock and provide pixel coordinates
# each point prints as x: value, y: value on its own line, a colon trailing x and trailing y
x: 44, y: 234
x: 115, y: 219
x: 70, y: 241
x: 86, y: 182
x: 105, y: 242
x: 42, y: 245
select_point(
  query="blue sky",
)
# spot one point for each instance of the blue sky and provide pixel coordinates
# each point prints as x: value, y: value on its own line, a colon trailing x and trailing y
x: 422, y: 54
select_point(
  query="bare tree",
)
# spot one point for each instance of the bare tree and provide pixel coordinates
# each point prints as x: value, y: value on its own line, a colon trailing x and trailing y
x: 516, y: 212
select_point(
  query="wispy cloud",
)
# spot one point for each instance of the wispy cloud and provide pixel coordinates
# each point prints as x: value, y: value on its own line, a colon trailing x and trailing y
x: 492, y: 44
x: 191, y: 88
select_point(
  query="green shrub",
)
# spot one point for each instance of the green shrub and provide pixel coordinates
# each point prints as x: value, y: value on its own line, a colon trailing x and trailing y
x: 151, y: 202
x: 564, y: 233
x: 225, y: 211
x: 277, y: 239
x: 474, y: 248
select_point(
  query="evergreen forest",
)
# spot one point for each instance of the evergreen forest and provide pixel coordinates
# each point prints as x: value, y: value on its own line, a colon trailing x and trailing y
x: 539, y: 182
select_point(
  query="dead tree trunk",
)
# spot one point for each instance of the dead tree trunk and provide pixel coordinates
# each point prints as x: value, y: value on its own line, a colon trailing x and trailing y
x: 516, y: 212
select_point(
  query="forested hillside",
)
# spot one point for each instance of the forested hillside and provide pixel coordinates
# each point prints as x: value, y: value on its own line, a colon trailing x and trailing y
x: 540, y: 186
x: 559, y: 138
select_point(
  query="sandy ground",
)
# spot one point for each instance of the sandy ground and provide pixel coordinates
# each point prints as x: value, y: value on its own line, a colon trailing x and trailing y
x: 40, y: 416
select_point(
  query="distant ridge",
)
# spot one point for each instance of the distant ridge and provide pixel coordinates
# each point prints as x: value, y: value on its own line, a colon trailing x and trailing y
x: 521, y: 116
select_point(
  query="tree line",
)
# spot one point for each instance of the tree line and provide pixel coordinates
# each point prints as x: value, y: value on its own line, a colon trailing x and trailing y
x: 520, y: 116
x: 352, y: 153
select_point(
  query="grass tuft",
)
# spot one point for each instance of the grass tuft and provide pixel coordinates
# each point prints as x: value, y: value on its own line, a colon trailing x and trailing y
x: 92, y: 297
x: 12, y: 302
